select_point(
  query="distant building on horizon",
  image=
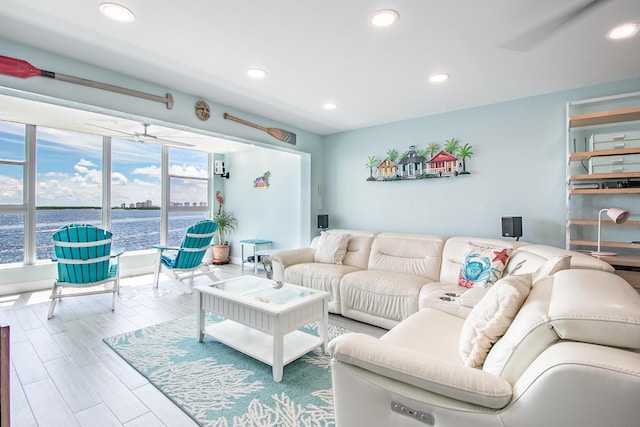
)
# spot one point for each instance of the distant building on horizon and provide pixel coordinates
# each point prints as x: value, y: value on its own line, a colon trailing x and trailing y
x: 137, y: 205
x: 146, y: 204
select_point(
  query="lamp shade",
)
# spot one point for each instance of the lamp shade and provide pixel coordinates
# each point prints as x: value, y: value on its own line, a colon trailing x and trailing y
x: 618, y: 216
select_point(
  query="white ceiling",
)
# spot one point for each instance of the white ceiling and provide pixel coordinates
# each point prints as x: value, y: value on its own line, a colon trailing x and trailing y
x: 316, y: 52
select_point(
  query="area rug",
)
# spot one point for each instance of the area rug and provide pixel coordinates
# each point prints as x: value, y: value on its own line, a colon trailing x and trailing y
x: 218, y: 386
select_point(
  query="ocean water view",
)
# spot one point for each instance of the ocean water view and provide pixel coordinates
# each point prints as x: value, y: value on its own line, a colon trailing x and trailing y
x: 133, y: 229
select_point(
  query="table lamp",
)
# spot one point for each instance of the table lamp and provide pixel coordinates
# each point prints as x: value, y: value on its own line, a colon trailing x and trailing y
x: 618, y: 216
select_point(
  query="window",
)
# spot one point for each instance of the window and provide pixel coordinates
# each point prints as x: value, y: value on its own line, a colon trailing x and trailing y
x: 12, y: 207
x: 68, y: 183
x: 188, y: 191
x: 189, y: 178
x: 12, y: 161
x: 135, y: 194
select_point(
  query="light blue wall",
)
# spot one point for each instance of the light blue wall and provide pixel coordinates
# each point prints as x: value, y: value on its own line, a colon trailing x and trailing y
x: 518, y: 169
x: 273, y: 213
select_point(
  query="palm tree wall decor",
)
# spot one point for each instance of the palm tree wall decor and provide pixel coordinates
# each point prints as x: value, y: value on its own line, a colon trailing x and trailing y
x: 465, y: 152
x: 430, y: 162
x: 433, y: 148
x: 392, y: 154
x: 371, y: 163
x: 451, y: 146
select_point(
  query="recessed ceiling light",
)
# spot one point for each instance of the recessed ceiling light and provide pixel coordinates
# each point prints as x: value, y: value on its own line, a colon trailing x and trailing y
x: 330, y: 106
x: 439, y: 77
x: 256, y: 73
x: 117, y: 12
x: 384, y: 18
x: 624, y: 31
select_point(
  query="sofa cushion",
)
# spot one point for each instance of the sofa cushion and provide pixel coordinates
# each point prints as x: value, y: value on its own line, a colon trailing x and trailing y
x: 442, y: 329
x: 324, y: 277
x: 490, y: 318
x: 483, y: 265
x: 381, y: 298
x: 358, y: 248
x: 395, y: 363
x: 331, y: 248
x: 414, y: 254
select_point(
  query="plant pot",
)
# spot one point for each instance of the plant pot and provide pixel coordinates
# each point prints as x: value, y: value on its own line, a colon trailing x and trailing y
x: 221, y: 254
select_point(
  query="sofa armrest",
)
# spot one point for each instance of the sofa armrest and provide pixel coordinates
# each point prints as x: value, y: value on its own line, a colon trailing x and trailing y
x: 283, y: 259
x: 472, y: 297
x: 447, y: 379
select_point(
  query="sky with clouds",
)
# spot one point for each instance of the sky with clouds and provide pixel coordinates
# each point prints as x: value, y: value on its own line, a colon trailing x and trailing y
x: 69, y: 169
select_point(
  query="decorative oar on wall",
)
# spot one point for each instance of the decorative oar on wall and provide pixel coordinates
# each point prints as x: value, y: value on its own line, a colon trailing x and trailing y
x: 280, y: 134
x: 20, y: 68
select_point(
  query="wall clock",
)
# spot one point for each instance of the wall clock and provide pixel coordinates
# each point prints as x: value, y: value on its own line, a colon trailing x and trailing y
x: 203, y: 111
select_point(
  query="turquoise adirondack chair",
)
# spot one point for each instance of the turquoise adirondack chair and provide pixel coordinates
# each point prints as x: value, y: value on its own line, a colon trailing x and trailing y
x: 85, y: 263
x: 185, y: 262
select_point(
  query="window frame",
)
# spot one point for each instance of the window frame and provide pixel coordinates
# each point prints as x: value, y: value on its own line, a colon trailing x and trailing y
x: 166, y: 207
x: 28, y: 208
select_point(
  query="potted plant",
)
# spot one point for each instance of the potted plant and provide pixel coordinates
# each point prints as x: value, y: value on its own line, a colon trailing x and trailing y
x: 226, y: 223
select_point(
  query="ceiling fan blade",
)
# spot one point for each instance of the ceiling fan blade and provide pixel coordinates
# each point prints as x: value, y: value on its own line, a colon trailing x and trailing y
x: 144, y: 138
x: 110, y: 129
x: 532, y: 37
x: 172, y: 143
x: 147, y: 137
x: 152, y: 139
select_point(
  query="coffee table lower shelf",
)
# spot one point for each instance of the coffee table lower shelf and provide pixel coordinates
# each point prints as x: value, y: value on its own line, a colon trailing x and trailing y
x: 260, y: 345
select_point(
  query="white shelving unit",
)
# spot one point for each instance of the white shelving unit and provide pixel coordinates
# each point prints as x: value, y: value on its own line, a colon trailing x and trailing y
x: 603, y: 144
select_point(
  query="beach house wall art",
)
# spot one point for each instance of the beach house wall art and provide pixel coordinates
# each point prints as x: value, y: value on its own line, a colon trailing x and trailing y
x: 431, y: 162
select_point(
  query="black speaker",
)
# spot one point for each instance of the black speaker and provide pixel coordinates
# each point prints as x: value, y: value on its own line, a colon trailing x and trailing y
x: 511, y: 226
x: 323, y: 221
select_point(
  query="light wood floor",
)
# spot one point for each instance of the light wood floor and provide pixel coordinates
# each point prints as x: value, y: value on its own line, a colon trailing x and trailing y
x: 63, y: 375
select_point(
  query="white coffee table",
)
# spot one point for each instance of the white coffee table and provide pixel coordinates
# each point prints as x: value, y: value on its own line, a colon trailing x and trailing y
x: 262, y: 318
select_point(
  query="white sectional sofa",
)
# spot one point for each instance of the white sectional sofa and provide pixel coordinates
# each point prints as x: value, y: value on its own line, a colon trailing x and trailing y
x: 554, y: 342
x: 564, y: 352
x: 383, y: 278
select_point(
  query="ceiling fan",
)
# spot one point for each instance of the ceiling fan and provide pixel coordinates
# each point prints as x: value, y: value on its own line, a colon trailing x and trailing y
x: 537, y: 34
x: 145, y: 136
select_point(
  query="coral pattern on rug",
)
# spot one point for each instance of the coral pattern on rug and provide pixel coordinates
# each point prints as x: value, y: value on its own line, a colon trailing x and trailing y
x: 221, y: 387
